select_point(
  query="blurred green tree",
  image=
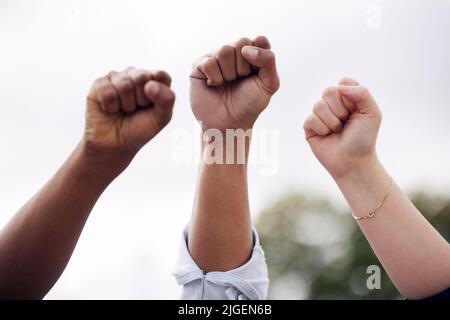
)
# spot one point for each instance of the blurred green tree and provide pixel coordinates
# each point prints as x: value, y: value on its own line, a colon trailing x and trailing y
x: 315, y: 251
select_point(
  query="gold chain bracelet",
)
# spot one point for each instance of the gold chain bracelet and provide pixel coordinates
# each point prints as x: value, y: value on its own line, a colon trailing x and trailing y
x: 372, y: 213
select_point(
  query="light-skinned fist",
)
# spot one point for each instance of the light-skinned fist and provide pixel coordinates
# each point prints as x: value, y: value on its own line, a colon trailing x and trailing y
x: 127, y: 109
x: 343, y: 127
x: 232, y: 86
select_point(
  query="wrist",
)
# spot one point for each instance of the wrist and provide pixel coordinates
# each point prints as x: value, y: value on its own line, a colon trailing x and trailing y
x: 364, y: 186
x: 228, y: 146
x: 224, y: 125
x: 102, y: 165
x: 359, y: 170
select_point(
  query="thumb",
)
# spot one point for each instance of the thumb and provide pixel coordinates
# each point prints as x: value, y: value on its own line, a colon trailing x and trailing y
x: 163, y: 99
x: 264, y: 59
x: 147, y: 122
x: 362, y: 99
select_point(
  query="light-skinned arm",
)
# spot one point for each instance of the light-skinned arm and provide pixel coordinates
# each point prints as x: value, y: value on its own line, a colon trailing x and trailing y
x: 342, y: 132
x: 124, y: 111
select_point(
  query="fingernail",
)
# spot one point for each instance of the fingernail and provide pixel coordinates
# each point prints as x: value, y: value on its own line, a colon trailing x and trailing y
x: 251, y: 51
x: 154, y: 88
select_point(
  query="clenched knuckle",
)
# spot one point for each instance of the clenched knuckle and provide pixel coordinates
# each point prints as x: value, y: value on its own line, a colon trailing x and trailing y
x: 329, y: 92
x: 142, y: 78
x: 226, y: 51
x: 107, y: 95
x: 244, y: 41
x: 317, y: 108
x: 125, y: 86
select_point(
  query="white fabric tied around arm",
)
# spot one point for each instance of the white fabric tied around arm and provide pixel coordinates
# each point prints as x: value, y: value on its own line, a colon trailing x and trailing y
x: 248, y: 282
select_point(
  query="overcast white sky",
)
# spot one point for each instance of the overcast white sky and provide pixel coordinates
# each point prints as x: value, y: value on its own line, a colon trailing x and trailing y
x: 52, y: 50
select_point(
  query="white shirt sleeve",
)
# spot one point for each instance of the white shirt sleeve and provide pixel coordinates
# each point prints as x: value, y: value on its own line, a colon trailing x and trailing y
x: 248, y: 282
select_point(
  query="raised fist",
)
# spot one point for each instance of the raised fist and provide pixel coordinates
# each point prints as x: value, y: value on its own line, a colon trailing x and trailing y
x: 127, y: 109
x: 232, y: 86
x: 343, y: 128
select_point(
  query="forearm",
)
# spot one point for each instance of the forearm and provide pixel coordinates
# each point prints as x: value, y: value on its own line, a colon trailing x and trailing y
x: 226, y: 94
x: 220, y: 235
x: 412, y: 252
x: 37, y: 243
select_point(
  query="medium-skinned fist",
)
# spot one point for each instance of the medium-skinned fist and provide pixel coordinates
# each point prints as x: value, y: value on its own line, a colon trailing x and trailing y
x: 127, y: 109
x: 232, y: 86
x: 343, y: 127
